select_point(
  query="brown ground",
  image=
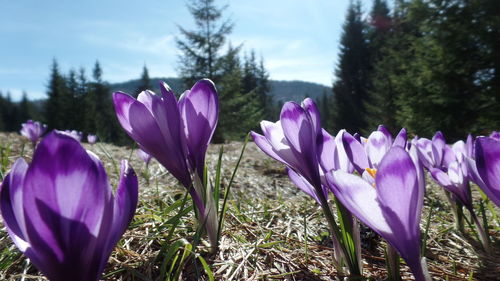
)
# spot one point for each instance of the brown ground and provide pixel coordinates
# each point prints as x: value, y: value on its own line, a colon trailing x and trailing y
x: 264, y: 236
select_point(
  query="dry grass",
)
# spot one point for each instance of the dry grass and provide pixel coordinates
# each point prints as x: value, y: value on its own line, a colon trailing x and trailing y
x: 271, y: 232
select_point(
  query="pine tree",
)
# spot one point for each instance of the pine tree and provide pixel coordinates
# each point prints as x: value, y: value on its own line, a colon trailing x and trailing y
x: 201, y: 47
x: 100, y: 120
x: 24, y: 109
x: 450, y: 82
x: 256, y: 79
x: 352, y: 73
x: 80, y: 103
x: 71, y: 106
x: 384, y: 40
x: 144, y: 83
x: 54, y: 116
x: 324, y: 105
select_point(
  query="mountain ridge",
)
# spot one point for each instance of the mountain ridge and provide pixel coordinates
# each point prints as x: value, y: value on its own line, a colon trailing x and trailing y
x: 280, y: 90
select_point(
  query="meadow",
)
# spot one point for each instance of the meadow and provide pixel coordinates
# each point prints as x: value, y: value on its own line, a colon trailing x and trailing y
x: 272, y: 231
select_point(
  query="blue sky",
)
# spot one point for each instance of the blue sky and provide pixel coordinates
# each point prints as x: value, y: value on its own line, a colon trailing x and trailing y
x: 297, y: 39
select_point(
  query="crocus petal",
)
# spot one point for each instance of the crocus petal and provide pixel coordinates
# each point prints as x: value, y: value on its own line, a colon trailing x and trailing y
x: 488, y: 165
x: 399, y: 195
x: 440, y: 177
x: 438, y: 145
x: 125, y: 202
x: 326, y: 150
x: 11, y: 195
x: 122, y: 103
x: 475, y: 177
x: 199, y: 109
x: 459, y: 150
x: 297, y: 127
x: 385, y: 131
x: 469, y: 146
x: 146, y: 132
x: 400, y: 139
x: 398, y: 188
x: 340, y: 157
x: 425, y: 154
x: 302, y: 184
x: 355, y: 152
x: 300, y: 134
x: 377, y: 146
x: 310, y: 107
x: 274, y: 135
x: 360, y: 198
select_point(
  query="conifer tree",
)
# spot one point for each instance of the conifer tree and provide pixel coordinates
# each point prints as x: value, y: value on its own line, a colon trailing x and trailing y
x: 352, y: 73
x: 256, y: 79
x: 24, y: 109
x: 100, y: 120
x: 144, y: 83
x: 70, y: 105
x: 385, y: 38
x: 324, y: 105
x: 54, y: 116
x: 201, y: 47
x: 241, y: 110
x: 449, y: 82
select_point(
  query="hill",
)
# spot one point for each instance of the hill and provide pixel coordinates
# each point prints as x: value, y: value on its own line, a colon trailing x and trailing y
x: 280, y: 90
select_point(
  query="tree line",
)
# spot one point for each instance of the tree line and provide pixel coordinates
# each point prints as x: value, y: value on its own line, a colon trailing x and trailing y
x: 424, y: 65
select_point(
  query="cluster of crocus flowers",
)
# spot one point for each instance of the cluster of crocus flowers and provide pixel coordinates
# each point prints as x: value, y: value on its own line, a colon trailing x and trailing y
x: 177, y: 134
x: 389, y: 200
x: 298, y: 141
x: 60, y: 210
x: 448, y: 167
x: 33, y: 130
x: 387, y: 196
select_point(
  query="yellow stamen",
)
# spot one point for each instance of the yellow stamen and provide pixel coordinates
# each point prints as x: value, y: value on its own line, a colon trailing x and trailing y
x: 372, y: 172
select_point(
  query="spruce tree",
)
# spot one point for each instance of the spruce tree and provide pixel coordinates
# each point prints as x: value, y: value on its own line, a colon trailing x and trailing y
x: 241, y: 110
x: 201, y: 47
x: 101, y: 118
x: 324, y: 105
x: 450, y: 82
x: 144, y: 82
x: 385, y: 38
x: 352, y: 73
x: 71, y: 106
x: 24, y: 109
x: 54, y: 116
x: 256, y: 79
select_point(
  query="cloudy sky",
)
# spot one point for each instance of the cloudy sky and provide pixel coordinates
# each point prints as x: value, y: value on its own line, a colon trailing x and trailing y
x: 297, y: 39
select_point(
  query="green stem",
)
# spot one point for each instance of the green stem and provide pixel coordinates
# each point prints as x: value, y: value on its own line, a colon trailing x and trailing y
x: 483, y: 237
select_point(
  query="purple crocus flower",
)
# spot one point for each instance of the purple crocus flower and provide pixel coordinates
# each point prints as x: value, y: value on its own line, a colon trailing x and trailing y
x: 92, y: 139
x: 367, y: 154
x: 298, y: 141
x: 177, y: 134
x: 453, y: 173
x: 293, y: 140
x: 74, y: 134
x: 144, y: 156
x: 60, y: 210
x: 391, y: 205
x: 434, y: 153
x: 485, y: 169
x: 33, y: 130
